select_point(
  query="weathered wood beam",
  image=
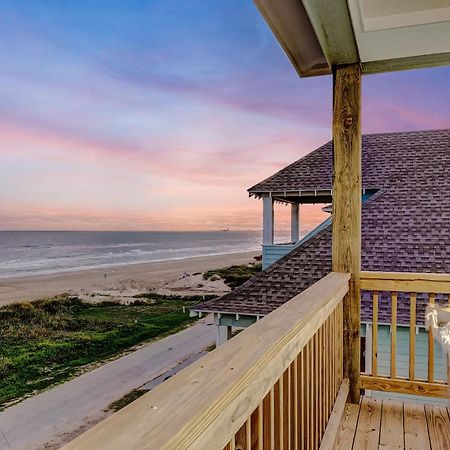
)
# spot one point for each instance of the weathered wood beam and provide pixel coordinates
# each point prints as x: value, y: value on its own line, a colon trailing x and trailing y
x: 347, y: 184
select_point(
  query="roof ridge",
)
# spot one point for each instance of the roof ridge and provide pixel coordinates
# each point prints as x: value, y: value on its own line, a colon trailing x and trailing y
x: 390, y: 133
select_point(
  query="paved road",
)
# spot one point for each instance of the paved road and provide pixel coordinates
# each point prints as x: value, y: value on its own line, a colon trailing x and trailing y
x: 51, y: 417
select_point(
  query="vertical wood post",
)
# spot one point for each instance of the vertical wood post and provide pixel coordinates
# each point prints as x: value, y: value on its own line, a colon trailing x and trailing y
x: 268, y: 229
x: 295, y: 228
x: 347, y: 200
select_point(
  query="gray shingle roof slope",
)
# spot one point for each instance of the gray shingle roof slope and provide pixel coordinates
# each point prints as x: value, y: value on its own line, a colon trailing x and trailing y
x: 405, y: 225
x: 312, y: 172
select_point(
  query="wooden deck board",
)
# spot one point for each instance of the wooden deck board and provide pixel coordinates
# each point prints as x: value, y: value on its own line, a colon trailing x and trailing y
x: 348, y: 427
x: 387, y: 424
x: 438, y: 427
x: 416, y: 429
x: 369, y: 423
x: 392, y: 433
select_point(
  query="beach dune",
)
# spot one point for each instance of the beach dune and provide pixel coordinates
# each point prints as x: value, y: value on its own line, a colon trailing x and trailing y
x: 123, y: 281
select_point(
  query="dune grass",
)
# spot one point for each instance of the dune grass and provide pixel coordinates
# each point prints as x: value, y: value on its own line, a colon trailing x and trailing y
x: 234, y: 276
x: 49, y: 341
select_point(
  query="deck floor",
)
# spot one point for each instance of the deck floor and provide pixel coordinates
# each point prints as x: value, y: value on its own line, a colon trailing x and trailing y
x: 391, y: 424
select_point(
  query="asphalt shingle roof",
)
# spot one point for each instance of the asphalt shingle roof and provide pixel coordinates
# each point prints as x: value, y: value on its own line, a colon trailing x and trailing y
x: 405, y: 225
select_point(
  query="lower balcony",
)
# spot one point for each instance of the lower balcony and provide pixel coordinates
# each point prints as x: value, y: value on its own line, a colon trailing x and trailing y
x: 284, y: 382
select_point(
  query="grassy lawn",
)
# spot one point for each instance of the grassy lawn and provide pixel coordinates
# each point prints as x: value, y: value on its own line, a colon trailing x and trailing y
x: 49, y: 341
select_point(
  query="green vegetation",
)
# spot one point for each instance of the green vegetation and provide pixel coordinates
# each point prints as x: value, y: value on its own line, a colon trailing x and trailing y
x: 49, y: 341
x: 234, y: 276
x: 127, y: 399
x: 189, y: 300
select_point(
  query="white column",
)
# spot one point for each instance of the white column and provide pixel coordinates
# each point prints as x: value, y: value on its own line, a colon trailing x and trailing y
x: 268, y: 231
x: 295, y: 226
x: 223, y: 332
x: 221, y: 335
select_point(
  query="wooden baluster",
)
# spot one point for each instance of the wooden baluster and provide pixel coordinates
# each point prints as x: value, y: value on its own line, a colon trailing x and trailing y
x: 267, y: 421
x: 304, y: 399
x: 328, y: 346
x: 294, y: 403
x: 311, y: 396
x: 325, y: 376
x: 256, y: 429
x: 332, y: 355
x: 278, y: 415
x: 412, y: 336
x: 260, y: 427
x: 320, y: 382
x: 326, y: 370
x: 299, y: 401
x: 230, y: 445
x: 272, y: 418
x: 431, y: 301
x: 332, y: 358
x: 242, y: 438
x: 393, y: 334
x: 286, y: 409
x: 316, y: 389
x: 375, y: 333
x: 282, y: 411
x: 253, y: 428
x: 336, y: 351
x: 340, y: 347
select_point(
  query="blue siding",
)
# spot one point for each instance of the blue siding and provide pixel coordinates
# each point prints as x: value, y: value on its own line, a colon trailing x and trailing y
x: 402, y: 356
x: 272, y: 253
x: 402, y: 360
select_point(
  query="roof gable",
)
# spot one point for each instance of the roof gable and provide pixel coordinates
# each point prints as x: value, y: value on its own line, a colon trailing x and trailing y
x: 405, y: 225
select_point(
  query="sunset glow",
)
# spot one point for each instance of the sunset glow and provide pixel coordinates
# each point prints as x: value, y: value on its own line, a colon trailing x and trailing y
x: 158, y: 115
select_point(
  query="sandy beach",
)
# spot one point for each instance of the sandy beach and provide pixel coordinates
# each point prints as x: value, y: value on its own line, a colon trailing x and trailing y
x: 181, y: 276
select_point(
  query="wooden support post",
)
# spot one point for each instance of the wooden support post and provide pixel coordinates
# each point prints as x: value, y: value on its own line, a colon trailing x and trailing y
x: 347, y: 209
x: 295, y: 228
x: 268, y: 225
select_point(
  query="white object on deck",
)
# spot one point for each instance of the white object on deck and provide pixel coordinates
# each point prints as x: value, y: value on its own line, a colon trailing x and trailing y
x: 438, y: 318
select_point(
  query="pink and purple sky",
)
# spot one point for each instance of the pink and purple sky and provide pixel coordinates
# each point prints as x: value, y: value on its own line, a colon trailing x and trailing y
x: 158, y: 115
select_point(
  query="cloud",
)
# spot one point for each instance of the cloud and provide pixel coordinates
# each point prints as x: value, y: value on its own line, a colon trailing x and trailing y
x: 162, y: 114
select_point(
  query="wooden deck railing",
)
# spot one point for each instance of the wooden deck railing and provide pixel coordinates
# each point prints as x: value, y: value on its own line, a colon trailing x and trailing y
x: 397, y: 290
x: 273, y: 386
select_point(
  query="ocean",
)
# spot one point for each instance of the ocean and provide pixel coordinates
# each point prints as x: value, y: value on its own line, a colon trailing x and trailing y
x: 24, y: 253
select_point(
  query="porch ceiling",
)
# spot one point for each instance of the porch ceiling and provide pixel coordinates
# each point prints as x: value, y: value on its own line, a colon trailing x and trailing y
x: 383, y: 35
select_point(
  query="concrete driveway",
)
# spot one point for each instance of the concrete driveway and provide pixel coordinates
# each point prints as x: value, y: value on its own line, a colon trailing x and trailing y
x: 59, y: 414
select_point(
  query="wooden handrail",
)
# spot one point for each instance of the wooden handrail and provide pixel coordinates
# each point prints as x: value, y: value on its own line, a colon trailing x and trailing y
x: 224, y: 393
x: 437, y: 283
x: 409, y: 285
